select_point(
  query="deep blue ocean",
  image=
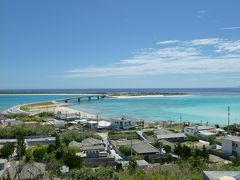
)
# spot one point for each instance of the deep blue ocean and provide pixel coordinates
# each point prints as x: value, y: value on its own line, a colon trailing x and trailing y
x: 206, y: 105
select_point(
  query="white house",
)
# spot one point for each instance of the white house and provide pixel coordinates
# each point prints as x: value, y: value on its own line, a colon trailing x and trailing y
x: 122, y: 123
x: 191, y: 130
x: 93, y: 124
x: 104, y: 124
x: 231, y: 146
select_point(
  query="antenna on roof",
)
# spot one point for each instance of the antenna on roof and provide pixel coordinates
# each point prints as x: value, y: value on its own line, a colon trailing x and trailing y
x: 228, y: 116
x: 180, y: 118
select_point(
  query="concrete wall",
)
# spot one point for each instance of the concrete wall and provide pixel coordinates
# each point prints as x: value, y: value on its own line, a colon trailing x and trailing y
x: 227, y: 147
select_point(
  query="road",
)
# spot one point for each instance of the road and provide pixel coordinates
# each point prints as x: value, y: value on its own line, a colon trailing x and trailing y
x: 106, y: 142
x: 140, y: 133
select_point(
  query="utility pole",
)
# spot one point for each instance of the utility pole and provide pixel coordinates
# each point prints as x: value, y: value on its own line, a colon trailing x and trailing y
x: 228, y: 116
x: 131, y: 150
x: 180, y: 124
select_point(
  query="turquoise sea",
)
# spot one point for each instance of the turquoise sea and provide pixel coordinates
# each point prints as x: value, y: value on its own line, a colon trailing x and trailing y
x: 201, y: 105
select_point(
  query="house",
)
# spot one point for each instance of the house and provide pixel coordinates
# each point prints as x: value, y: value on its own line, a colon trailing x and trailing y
x: 191, y: 130
x: 205, y: 135
x: 67, y: 117
x: 172, y: 136
x: 139, y: 148
x: 142, y: 164
x: 92, y: 124
x: 94, y: 153
x: 144, y: 148
x: 74, y: 144
x: 122, y: 123
x: 10, y: 122
x: 104, y: 124
x: 79, y: 121
x: 57, y: 124
x: 231, y: 146
x: 3, y: 166
x: 34, y: 141
x: 221, y: 175
x: 32, y: 170
x: 8, y: 170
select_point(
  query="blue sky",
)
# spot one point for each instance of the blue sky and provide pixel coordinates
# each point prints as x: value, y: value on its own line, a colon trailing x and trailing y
x: 119, y: 44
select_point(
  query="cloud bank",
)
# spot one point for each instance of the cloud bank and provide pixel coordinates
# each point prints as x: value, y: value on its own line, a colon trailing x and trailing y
x: 210, y: 55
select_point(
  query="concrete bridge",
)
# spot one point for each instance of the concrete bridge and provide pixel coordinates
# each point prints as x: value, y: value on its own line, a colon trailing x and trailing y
x: 79, y: 98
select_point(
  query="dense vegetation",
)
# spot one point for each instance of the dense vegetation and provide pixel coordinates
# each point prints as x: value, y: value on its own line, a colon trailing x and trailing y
x: 125, y: 150
x: 7, y: 150
x: 27, y: 130
x: 233, y: 129
x: 26, y: 118
x: 76, y: 135
x: 114, y: 135
x: 28, y: 107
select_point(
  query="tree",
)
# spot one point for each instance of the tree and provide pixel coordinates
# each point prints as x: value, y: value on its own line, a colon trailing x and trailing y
x: 125, y: 150
x: 102, y: 173
x: 73, y: 161
x: 21, y: 147
x: 169, y: 158
x: 167, y: 148
x: 119, y: 167
x: 39, y: 153
x: 28, y: 155
x: 204, y: 153
x: 211, y: 140
x: 183, y: 151
x: 132, y: 166
x: 58, y: 141
x: 51, y: 148
x: 7, y: 150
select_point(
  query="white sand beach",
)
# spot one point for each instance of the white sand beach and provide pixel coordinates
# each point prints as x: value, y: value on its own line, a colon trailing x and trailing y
x: 147, y: 96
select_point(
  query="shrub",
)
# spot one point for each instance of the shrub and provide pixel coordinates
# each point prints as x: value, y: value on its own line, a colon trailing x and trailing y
x: 39, y: 153
x: 7, y: 150
x: 125, y: 150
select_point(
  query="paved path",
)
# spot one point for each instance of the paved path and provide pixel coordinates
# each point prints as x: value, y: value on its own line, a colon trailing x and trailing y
x: 106, y: 142
x: 140, y: 133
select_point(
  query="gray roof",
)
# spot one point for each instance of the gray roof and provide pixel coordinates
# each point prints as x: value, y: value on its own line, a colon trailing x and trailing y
x: 201, y: 128
x: 216, y: 175
x: 170, y: 136
x: 233, y: 138
x: 32, y: 170
x: 163, y: 131
x: 165, y: 142
x: 142, y: 163
x: 91, y: 142
x: 97, y: 147
x: 144, y: 148
x: 207, y: 133
x: 74, y: 144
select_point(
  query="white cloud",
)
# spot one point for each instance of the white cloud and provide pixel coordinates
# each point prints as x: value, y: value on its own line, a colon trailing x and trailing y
x: 231, y: 28
x: 230, y: 46
x: 207, y: 41
x: 188, y: 57
x: 202, y: 13
x: 167, y: 42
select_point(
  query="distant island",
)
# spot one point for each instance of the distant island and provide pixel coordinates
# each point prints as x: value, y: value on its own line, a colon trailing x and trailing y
x: 147, y: 94
x: 109, y: 94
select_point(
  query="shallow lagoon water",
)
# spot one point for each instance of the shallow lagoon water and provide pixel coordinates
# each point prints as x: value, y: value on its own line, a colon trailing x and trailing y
x: 196, y: 108
x: 205, y: 105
